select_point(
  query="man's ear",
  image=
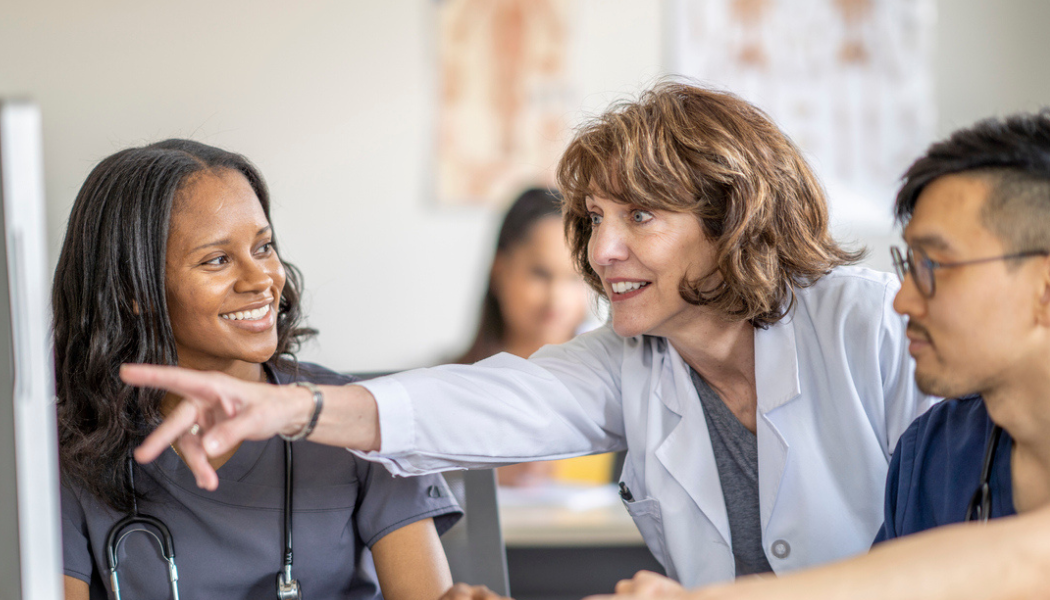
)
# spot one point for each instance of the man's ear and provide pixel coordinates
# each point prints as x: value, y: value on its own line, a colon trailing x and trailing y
x: 1043, y: 306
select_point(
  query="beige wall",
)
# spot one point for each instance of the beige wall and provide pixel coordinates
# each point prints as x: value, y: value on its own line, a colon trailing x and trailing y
x: 991, y: 59
x: 332, y: 100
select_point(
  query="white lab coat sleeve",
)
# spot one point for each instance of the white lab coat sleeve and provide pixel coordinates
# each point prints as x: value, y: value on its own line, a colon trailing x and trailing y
x: 564, y: 401
x: 904, y: 401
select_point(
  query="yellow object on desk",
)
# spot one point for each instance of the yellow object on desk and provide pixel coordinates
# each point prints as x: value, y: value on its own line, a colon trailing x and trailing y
x: 596, y: 469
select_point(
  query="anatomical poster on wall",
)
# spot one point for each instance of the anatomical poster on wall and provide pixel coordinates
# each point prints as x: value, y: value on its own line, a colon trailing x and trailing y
x: 851, y: 81
x: 504, y: 97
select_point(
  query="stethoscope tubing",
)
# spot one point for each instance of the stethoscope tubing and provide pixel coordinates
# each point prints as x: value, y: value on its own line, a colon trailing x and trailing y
x: 166, y: 541
x: 980, y: 506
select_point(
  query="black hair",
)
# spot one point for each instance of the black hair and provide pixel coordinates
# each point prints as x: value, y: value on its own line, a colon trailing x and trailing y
x: 1012, y: 155
x: 532, y: 206
x: 109, y: 305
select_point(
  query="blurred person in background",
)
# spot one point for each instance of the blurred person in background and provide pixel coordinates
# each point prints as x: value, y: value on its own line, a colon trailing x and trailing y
x: 535, y: 296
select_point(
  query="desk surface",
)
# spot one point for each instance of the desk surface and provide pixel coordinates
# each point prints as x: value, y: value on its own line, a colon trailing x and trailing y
x: 559, y: 515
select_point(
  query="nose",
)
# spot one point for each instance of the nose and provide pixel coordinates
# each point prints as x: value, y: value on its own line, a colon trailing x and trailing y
x: 608, y: 244
x: 254, y: 276
x: 909, y: 301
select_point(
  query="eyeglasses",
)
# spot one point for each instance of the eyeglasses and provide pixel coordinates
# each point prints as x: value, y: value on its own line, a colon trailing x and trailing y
x: 922, y: 267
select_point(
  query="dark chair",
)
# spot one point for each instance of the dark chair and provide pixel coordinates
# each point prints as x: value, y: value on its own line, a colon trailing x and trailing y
x: 474, y: 546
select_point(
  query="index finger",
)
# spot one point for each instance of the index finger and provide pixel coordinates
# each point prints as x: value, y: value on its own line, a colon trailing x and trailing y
x: 178, y: 422
x: 184, y: 382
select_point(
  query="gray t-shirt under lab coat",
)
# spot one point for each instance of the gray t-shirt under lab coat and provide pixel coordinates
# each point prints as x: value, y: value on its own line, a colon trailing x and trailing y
x: 229, y: 543
x: 736, y: 454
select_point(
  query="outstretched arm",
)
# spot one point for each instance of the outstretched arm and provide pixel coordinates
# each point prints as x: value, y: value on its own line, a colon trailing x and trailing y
x: 564, y: 402
x: 230, y: 410
x: 1002, y: 560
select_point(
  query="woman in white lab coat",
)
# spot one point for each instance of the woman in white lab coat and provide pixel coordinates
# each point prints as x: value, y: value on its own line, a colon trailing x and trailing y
x: 757, y: 381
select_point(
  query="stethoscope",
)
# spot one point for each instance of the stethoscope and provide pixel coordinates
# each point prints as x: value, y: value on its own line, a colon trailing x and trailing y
x: 287, y: 588
x: 980, y: 507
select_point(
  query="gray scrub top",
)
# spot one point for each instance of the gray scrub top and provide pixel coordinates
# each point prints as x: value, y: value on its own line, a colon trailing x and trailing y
x: 229, y: 543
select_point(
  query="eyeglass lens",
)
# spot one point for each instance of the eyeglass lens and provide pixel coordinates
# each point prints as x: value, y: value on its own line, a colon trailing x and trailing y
x: 919, y: 267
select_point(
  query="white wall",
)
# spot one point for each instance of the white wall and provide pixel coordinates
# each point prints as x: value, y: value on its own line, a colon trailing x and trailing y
x: 990, y: 60
x: 332, y: 99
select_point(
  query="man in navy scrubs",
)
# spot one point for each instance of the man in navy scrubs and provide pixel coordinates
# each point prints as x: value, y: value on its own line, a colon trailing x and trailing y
x: 976, y: 292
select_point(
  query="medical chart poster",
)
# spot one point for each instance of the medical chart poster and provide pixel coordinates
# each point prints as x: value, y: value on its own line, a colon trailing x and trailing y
x: 505, y: 97
x: 850, y: 81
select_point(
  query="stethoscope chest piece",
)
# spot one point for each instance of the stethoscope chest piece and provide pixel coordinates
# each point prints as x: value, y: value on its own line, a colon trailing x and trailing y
x: 288, y: 588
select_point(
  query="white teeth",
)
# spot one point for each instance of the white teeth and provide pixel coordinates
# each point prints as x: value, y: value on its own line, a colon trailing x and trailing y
x: 250, y: 315
x: 622, y: 287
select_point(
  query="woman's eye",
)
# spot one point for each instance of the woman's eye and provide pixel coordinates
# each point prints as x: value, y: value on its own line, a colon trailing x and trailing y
x: 218, y: 260
x: 595, y: 218
x: 266, y: 248
x: 641, y: 216
x: 542, y: 273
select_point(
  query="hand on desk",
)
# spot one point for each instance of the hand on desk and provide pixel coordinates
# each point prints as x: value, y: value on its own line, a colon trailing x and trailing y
x: 646, y: 584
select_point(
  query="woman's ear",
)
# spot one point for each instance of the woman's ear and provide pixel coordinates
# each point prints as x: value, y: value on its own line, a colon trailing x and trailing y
x: 135, y: 307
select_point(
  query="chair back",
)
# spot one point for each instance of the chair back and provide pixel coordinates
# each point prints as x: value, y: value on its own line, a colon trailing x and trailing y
x: 474, y: 546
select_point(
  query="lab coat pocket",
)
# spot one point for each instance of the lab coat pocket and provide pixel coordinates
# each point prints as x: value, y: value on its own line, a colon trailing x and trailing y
x: 649, y: 520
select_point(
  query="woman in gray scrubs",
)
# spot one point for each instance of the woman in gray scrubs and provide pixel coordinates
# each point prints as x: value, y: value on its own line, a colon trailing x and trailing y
x: 169, y: 258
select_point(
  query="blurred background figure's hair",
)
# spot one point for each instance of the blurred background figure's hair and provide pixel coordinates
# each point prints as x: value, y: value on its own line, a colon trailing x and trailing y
x: 529, y: 208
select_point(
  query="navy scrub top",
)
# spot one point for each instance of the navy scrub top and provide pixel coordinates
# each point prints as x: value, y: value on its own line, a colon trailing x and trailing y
x: 229, y: 543
x: 936, y: 469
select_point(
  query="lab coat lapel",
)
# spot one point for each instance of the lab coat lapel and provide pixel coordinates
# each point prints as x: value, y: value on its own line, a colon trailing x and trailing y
x: 686, y: 451
x: 776, y: 383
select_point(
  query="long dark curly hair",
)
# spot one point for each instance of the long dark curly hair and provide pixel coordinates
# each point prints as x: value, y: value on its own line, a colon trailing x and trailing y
x: 109, y: 305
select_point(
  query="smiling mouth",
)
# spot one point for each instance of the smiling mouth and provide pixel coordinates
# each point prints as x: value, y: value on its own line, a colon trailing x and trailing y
x: 625, y: 287
x: 247, y: 315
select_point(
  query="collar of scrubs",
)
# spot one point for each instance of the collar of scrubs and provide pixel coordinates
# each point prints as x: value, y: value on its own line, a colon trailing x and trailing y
x: 240, y: 464
x: 171, y: 467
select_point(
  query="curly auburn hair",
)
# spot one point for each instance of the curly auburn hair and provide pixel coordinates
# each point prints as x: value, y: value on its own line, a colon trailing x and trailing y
x: 685, y: 148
